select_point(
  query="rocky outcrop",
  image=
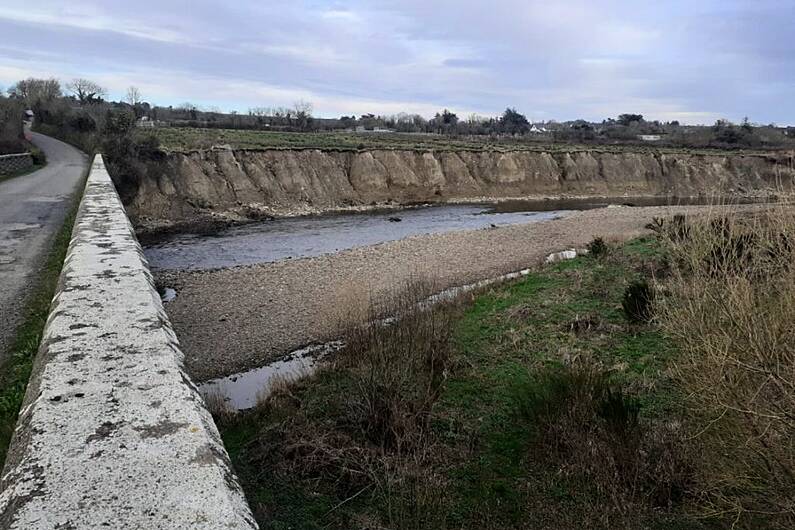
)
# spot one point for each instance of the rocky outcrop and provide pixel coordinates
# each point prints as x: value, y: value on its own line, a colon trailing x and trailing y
x: 237, y: 184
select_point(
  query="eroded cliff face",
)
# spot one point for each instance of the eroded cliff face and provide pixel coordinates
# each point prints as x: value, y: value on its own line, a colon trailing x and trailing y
x: 239, y: 184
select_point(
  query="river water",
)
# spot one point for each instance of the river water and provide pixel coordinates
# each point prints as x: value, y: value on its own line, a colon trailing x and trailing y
x: 244, y: 390
x: 299, y: 237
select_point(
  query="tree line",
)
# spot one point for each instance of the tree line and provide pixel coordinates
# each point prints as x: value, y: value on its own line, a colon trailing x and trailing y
x: 78, y: 111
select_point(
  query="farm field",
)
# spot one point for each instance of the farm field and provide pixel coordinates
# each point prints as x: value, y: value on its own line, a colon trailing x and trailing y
x: 178, y: 139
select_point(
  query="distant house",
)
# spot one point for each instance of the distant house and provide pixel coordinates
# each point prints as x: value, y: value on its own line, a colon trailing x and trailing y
x: 144, y: 121
x: 650, y: 137
x: 535, y: 129
x: 363, y: 129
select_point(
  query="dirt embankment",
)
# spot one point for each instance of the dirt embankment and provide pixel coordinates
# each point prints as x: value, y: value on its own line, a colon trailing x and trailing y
x: 239, y: 185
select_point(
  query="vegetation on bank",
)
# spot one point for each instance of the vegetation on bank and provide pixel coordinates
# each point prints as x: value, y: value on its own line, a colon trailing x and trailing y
x: 16, y: 368
x: 12, y: 140
x: 11, y: 114
x: 184, y: 139
x: 647, y: 385
x: 531, y: 405
x: 730, y: 305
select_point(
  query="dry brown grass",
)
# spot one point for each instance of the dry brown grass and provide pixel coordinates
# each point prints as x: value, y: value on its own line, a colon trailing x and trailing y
x: 219, y: 407
x: 731, y: 306
x: 371, y: 438
x: 398, y: 367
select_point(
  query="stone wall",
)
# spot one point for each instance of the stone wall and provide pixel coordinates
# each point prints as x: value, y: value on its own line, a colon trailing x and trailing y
x: 112, y: 432
x: 13, y: 163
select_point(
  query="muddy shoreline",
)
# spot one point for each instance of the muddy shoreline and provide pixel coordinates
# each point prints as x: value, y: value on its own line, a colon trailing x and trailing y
x: 231, y: 320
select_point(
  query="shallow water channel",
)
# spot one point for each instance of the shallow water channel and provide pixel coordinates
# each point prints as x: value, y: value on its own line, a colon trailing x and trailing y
x: 244, y: 390
x: 300, y: 237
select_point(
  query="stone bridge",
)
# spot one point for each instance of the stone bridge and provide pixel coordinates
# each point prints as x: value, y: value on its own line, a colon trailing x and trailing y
x: 112, y: 432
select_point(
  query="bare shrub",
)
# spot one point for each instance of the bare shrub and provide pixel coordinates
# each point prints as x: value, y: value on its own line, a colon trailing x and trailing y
x: 597, y: 247
x: 731, y: 306
x: 594, y: 429
x: 218, y: 406
x: 637, y: 302
x: 370, y: 437
x: 398, y: 367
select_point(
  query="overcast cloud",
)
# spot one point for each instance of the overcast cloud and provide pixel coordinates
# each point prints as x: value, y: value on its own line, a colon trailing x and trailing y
x: 694, y: 61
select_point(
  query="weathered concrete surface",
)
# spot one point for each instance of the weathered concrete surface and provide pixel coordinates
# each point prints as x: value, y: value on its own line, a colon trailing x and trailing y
x: 112, y: 433
x: 32, y: 210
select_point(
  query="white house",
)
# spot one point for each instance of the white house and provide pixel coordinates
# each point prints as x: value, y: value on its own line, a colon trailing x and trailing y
x: 650, y: 137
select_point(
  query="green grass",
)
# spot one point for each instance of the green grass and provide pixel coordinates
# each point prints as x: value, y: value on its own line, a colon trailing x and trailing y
x: 483, y: 444
x: 181, y: 139
x: 16, y: 369
x: 525, y: 325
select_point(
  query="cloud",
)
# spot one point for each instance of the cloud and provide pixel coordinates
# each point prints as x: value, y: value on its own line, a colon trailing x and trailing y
x: 691, y: 61
x: 82, y: 20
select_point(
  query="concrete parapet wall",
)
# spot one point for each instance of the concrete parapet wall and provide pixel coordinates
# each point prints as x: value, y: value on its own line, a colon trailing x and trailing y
x: 14, y: 163
x: 112, y: 433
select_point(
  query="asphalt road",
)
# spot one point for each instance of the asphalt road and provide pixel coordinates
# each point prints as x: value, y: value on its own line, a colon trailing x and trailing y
x: 32, y: 210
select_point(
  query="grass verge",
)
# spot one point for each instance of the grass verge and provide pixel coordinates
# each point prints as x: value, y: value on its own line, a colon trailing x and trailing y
x: 16, y: 369
x: 541, y: 406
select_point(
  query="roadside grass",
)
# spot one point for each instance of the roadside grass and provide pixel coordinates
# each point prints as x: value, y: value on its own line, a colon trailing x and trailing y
x: 16, y: 369
x: 549, y: 410
x: 184, y: 139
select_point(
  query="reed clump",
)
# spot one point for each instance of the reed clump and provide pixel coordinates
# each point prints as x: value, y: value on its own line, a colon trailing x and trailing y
x: 730, y: 305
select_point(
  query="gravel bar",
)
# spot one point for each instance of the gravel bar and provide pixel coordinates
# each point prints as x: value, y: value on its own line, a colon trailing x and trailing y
x: 231, y: 320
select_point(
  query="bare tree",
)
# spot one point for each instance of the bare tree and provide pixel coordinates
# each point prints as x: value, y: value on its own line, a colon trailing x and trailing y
x: 133, y: 96
x: 86, y: 91
x: 302, y: 110
x: 33, y: 91
x: 190, y: 109
x: 261, y: 111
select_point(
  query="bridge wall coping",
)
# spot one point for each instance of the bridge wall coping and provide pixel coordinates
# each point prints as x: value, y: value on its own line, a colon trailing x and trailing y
x: 112, y: 432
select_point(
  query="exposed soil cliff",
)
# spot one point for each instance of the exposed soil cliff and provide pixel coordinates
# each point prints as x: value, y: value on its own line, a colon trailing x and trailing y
x: 250, y: 184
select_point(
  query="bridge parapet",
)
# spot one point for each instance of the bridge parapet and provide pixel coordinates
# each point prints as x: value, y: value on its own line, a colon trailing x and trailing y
x: 112, y: 432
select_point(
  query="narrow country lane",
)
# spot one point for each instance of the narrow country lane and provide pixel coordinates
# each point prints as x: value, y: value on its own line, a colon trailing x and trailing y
x: 32, y: 210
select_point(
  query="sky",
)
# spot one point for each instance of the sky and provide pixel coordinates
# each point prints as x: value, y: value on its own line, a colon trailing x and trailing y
x: 694, y: 61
